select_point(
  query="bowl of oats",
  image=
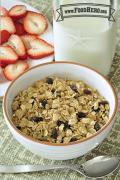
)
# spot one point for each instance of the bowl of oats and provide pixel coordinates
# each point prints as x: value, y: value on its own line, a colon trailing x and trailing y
x: 60, y: 110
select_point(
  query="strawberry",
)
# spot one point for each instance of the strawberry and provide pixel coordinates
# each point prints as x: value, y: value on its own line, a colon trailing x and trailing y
x: 12, y: 71
x: 25, y: 57
x: 17, y: 12
x: 1, y: 74
x: 19, y: 28
x: 7, y: 55
x: 0, y: 70
x: 3, y: 11
x: 39, y: 49
x: 6, y: 23
x: 35, y: 23
x: 2, y: 64
x: 4, y: 36
x: 27, y: 39
x: 17, y: 44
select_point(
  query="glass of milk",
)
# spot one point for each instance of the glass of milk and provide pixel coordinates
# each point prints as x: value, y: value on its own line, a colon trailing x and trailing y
x: 84, y: 39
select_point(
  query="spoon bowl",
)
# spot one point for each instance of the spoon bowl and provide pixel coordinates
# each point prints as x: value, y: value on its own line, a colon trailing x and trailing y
x: 100, y: 166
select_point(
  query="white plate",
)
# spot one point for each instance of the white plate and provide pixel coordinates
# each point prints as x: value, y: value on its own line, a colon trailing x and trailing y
x: 48, y: 36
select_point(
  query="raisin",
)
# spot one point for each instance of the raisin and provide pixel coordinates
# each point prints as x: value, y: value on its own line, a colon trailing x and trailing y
x: 66, y: 126
x: 62, y: 140
x: 33, y: 98
x: 59, y: 122
x: 43, y: 103
x: 36, y: 119
x: 73, y: 139
x: 53, y: 90
x: 87, y: 92
x: 81, y: 115
x: 97, y: 126
x: 74, y: 88
x: 54, y: 134
x: 18, y: 127
x: 33, y: 103
x: 103, y: 103
x: 96, y: 110
x: 49, y: 81
x: 76, y: 96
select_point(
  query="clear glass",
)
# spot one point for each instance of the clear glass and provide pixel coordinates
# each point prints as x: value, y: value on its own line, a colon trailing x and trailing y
x: 88, y: 40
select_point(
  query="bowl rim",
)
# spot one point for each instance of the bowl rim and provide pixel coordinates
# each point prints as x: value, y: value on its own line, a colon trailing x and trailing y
x: 60, y: 144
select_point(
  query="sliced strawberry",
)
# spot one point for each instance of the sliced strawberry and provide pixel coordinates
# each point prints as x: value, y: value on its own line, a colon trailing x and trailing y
x: 25, y: 57
x: 7, y: 55
x: 3, y: 11
x: 4, y: 36
x: 19, y: 28
x: 12, y: 71
x: 39, y: 49
x: 0, y: 70
x: 18, y: 11
x: 35, y: 23
x: 27, y: 39
x: 6, y: 23
x: 17, y: 44
x: 2, y: 64
x: 1, y: 73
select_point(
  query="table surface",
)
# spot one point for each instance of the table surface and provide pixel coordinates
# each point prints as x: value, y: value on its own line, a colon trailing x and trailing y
x: 11, y: 152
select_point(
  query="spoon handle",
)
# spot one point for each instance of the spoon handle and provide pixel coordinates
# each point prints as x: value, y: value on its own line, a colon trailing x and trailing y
x: 30, y: 168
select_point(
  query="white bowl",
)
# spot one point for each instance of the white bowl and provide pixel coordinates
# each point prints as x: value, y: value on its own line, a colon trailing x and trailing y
x: 72, y: 71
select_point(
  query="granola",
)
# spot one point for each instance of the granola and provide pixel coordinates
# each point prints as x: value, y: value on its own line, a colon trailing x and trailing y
x: 59, y: 110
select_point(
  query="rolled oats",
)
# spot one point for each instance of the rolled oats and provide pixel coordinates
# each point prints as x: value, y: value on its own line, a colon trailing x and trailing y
x: 59, y: 111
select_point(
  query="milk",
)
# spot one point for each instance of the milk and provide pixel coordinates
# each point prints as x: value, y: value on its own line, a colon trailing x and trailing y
x: 87, y: 40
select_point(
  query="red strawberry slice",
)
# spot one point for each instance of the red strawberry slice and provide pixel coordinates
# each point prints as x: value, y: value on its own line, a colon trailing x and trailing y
x: 3, y: 11
x: 4, y: 36
x: 6, y: 23
x: 0, y: 70
x: 25, y: 57
x: 7, y: 55
x: 12, y: 71
x: 35, y: 23
x: 18, y: 11
x: 27, y: 39
x: 39, y: 49
x: 2, y: 65
x: 17, y: 44
x: 19, y: 28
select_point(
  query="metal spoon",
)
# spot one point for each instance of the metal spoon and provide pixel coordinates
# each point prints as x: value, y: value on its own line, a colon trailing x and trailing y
x: 95, y: 168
